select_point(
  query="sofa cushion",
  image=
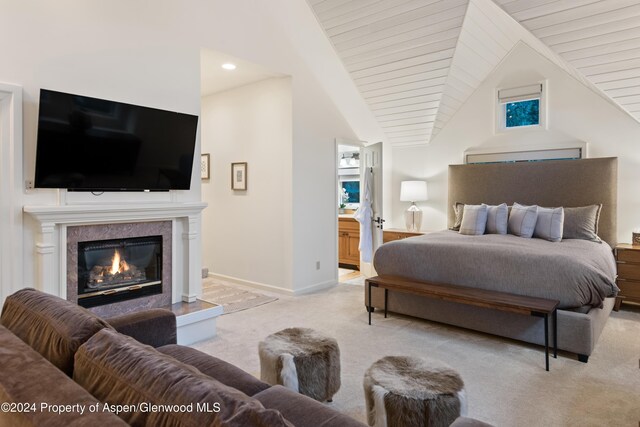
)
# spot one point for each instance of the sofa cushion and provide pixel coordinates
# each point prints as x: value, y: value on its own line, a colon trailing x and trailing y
x: 155, y: 327
x: 302, y: 410
x: 53, y: 327
x: 119, y: 370
x: 218, y: 369
x: 28, y: 378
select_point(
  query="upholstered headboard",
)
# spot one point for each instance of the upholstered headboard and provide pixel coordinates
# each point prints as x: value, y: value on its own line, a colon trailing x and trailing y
x: 551, y: 183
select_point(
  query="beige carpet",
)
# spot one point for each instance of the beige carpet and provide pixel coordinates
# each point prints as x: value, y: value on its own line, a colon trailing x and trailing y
x: 505, y: 380
x: 232, y: 298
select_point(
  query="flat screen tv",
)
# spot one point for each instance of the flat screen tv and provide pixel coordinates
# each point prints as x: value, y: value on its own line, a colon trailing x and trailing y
x: 91, y: 144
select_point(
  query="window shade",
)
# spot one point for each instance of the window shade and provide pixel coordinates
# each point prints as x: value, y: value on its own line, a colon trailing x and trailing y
x: 526, y: 156
x: 519, y: 93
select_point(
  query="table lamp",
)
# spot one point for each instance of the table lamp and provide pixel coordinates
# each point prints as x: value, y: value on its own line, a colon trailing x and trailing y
x: 413, y: 191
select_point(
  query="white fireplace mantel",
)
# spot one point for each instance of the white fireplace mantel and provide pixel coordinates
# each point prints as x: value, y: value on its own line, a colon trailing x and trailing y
x: 51, y: 237
x: 104, y: 213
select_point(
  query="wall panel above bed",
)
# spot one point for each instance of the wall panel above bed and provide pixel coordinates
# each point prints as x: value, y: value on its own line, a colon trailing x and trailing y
x: 566, y: 183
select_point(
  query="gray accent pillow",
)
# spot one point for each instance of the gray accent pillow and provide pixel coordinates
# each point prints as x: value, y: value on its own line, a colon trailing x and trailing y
x: 458, y: 208
x: 497, y: 219
x: 550, y: 224
x: 474, y: 220
x: 522, y: 221
x: 582, y: 223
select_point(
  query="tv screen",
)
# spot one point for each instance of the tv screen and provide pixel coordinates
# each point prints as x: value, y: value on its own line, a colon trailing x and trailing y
x: 92, y: 144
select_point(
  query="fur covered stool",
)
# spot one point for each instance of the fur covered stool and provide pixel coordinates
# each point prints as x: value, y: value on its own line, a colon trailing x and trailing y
x: 302, y: 360
x: 411, y: 391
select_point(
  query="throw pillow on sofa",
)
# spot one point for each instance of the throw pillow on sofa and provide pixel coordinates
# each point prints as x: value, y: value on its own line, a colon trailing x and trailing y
x: 118, y: 370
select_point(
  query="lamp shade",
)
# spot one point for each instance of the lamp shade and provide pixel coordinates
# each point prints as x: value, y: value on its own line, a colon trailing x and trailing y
x: 413, y: 191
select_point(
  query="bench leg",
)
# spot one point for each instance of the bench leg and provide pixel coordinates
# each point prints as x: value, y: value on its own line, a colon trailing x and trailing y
x: 386, y: 298
x: 546, y: 340
x: 370, y: 305
x: 555, y: 333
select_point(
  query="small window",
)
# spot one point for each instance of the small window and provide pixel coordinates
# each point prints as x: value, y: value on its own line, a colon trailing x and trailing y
x: 522, y: 113
x: 520, y: 107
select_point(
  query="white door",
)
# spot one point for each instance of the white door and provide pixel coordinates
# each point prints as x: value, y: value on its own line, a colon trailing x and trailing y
x: 371, y: 158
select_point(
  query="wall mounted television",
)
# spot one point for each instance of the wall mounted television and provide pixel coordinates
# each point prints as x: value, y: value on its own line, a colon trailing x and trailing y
x: 91, y: 144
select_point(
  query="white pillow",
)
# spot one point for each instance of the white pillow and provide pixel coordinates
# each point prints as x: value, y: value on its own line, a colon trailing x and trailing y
x: 474, y: 220
x: 497, y: 219
x: 522, y: 221
x: 550, y: 224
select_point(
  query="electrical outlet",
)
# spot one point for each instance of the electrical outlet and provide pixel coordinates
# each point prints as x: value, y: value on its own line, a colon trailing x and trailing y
x: 28, y: 184
x: 317, y: 265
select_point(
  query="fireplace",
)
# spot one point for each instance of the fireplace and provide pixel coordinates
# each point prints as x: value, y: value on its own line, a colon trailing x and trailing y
x: 119, y: 269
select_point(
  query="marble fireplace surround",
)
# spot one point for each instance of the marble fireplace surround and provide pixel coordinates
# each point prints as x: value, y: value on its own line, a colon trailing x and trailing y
x: 85, y: 233
x: 51, y: 234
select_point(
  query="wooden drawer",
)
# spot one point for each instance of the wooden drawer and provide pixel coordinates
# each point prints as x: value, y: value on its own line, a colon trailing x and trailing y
x: 629, y: 289
x: 628, y: 255
x: 390, y: 236
x: 629, y: 271
x: 348, y: 224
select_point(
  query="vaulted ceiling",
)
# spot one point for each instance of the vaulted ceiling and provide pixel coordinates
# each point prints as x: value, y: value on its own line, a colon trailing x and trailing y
x: 415, y: 62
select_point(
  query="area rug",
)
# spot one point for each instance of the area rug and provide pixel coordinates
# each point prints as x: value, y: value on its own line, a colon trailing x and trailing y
x: 231, y: 298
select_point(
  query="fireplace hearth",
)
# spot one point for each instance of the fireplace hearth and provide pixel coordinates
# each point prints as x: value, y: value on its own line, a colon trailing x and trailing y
x: 119, y: 269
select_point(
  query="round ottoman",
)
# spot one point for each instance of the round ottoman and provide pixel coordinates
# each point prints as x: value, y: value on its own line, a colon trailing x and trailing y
x: 411, y: 391
x: 302, y: 360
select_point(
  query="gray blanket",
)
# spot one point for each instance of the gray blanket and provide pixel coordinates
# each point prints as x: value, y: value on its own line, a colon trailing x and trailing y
x: 574, y: 272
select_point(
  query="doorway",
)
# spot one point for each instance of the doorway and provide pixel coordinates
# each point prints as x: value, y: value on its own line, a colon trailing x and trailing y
x: 348, y: 188
x: 354, y: 159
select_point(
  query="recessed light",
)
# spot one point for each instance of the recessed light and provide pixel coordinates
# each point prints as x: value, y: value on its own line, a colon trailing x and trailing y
x: 229, y: 66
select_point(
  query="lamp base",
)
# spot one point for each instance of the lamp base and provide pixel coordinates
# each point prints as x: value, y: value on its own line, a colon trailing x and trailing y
x: 413, y: 218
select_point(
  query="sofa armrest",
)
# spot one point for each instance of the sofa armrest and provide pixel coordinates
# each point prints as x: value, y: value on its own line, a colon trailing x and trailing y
x: 155, y: 327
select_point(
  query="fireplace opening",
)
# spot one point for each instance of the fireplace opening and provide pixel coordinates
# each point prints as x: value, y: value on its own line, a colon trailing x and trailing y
x: 119, y: 269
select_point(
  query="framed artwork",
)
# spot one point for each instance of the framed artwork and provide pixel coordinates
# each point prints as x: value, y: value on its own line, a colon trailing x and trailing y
x: 205, y: 168
x: 239, y: 176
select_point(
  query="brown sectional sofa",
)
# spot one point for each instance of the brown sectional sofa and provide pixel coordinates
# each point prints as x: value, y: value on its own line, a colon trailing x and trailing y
x: 56, y: 356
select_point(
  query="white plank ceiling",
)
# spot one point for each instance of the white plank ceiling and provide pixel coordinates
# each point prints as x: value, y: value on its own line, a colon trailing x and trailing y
x: 416, y: 62
x: 398, y: 53
x: 601, y: 39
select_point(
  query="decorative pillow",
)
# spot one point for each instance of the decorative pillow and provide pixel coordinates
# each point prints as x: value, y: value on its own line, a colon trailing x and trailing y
x: 497, y: 219
x: 582, y: 223
x: 474, y: 220
x: 549, y: 224
x: 458, y: 208
x: 522, y: 221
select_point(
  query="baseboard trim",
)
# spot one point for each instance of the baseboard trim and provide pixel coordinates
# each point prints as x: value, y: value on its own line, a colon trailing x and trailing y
x: 263, y: 286
x: 316, y: 287
x: 251, y: 284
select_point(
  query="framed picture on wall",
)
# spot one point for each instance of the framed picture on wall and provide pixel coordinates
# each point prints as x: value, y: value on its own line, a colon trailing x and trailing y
x: 205, y: 167
x: 239, y: 176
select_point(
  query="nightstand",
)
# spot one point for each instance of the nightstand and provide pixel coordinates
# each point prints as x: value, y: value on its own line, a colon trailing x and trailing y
x: 392, y: 234
x: 628, y: 263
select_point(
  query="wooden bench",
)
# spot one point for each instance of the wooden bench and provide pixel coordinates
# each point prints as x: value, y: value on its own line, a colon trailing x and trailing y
x: 495, y: 300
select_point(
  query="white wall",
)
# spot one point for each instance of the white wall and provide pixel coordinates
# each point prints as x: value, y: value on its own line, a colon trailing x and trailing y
x: 574, y: 113
x: 148, y: 53
x: 247, y: 234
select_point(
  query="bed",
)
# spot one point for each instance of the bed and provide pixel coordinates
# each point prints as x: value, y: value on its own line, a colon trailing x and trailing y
x: 578, y: 273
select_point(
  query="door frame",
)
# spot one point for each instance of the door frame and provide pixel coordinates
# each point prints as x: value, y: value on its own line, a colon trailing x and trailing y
x: 336, y: 164
x: 11, y: 146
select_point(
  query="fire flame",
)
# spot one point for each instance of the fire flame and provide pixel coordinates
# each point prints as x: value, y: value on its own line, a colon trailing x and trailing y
x: 118, y: 265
